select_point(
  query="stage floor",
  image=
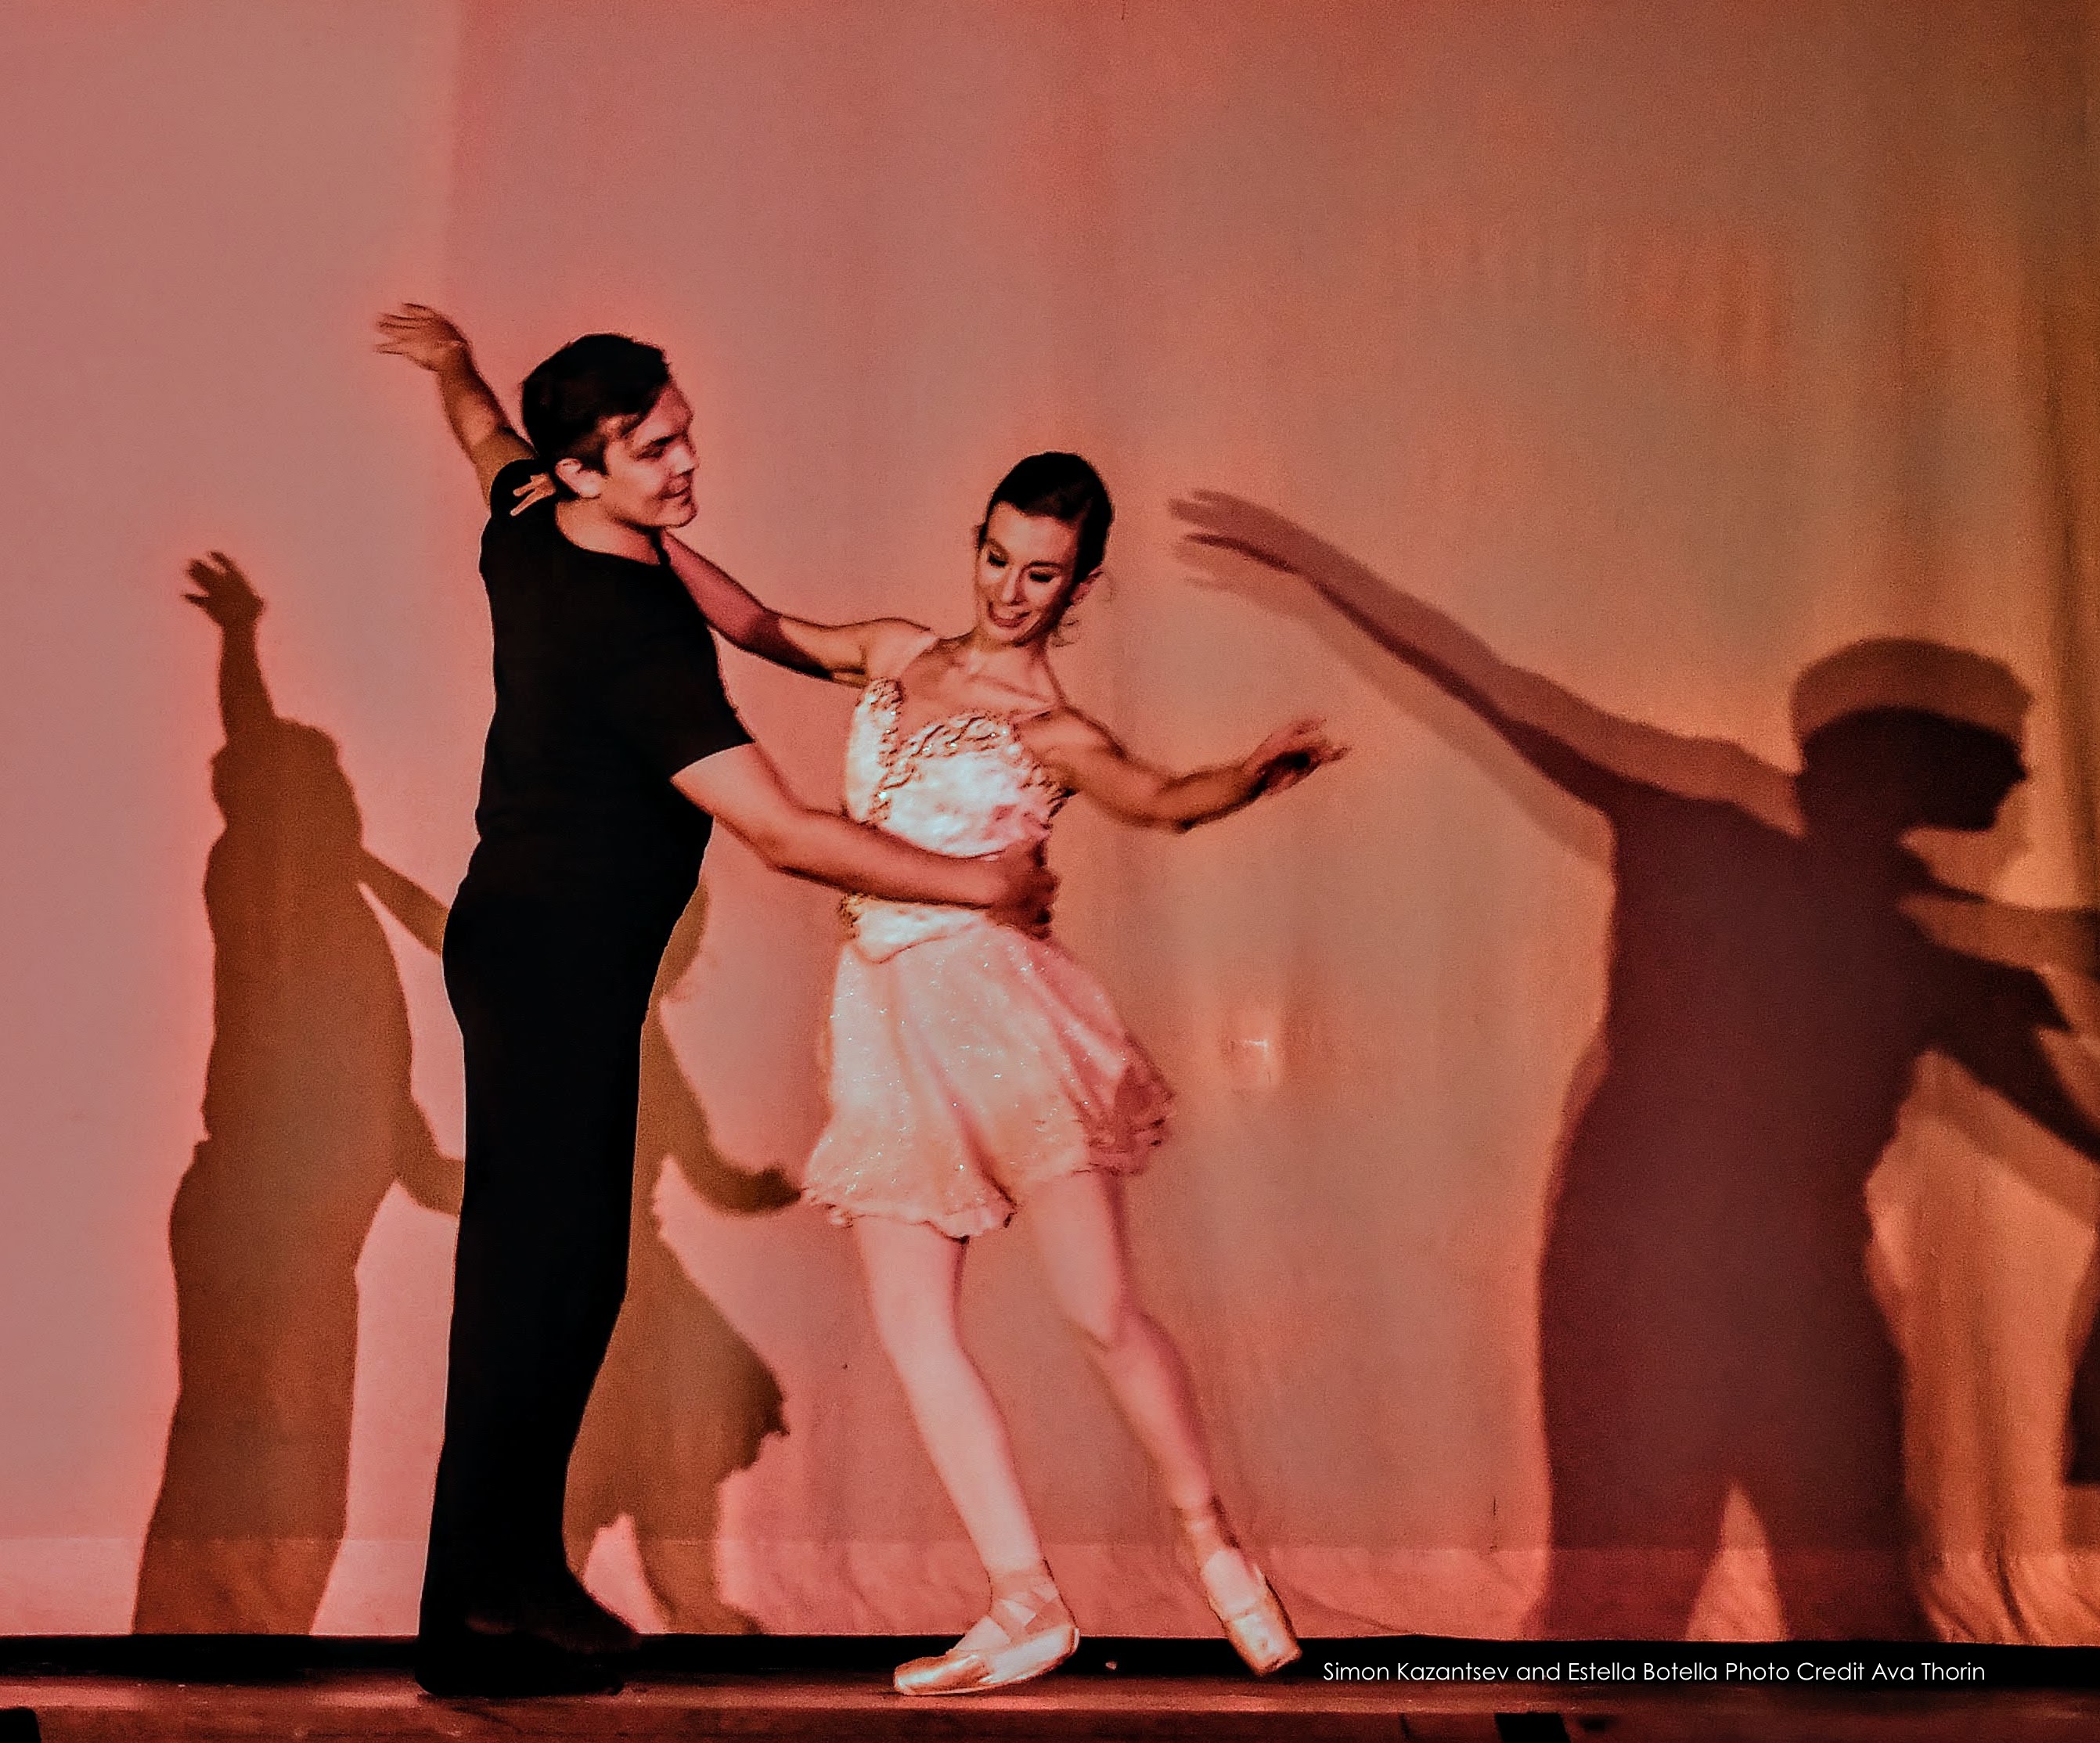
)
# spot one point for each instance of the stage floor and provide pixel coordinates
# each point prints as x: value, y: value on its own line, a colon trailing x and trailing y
x: 385, y: 1705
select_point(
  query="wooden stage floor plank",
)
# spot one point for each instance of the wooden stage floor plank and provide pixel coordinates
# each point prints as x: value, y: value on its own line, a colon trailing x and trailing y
x: 324, y: 1707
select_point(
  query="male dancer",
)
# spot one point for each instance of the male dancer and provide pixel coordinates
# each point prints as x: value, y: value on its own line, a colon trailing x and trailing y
x: 612, y: 749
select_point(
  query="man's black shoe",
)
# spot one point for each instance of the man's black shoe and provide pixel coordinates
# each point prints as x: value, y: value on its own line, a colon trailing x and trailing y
x: 561, y: 1613
x: 466, y: 1666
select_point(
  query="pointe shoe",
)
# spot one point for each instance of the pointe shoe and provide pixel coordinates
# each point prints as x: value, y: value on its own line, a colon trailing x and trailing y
x: 1236, y: 1591
x: 1240, y: 1597
x: 1012, y: 1641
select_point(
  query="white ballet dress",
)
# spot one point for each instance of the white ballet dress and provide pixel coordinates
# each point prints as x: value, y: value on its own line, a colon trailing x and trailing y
x: 969, y: 1062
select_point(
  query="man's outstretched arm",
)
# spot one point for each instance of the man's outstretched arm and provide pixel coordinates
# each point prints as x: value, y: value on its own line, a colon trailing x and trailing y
x: 431, y: 342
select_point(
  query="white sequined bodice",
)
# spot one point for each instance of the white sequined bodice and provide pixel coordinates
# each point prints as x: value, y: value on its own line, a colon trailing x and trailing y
x: 964, y: 784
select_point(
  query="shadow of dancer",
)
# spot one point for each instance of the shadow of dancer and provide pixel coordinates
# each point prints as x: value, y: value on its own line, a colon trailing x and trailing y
x: 309, y: 1119
x: 1706, y: 1321
x: 683, y: 1401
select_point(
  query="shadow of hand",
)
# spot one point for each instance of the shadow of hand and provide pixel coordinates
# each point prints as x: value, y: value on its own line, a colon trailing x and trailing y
x: 732, y: 1189
x: 1219, y: 521
x: 1238, y: 546
x: 1241, y: 547
x: 1244, y: 548
x: 433, y: 1180
x: 223, y: 594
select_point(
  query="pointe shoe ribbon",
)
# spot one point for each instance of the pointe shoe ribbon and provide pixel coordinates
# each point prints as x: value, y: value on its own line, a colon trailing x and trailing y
x: 1012, y: 1642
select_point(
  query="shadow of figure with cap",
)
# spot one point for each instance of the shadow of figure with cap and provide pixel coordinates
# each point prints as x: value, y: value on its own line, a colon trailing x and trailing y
x: 1778, y: 965
x: 309, y: 1120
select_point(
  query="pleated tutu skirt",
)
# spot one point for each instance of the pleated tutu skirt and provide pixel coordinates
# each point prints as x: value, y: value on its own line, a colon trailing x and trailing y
x: 969, y: 1068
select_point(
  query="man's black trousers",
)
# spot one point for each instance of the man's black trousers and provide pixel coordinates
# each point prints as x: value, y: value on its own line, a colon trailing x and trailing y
x: 551, y: 993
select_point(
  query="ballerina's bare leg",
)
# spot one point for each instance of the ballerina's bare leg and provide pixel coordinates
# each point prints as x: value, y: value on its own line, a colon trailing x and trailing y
x: 914, y: 1275
x: 914, y: 1279
x: 1078, y: 1223
x: 1080, y: 1232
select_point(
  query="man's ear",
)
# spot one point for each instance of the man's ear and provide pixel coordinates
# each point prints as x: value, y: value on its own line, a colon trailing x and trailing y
x: 582, y: 479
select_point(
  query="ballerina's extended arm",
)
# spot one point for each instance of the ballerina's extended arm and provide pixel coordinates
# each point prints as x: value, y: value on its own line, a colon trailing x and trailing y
x: 1083, y: 755
x: 842, y: 652
x: 848, y: 653
x: 1076, y: 749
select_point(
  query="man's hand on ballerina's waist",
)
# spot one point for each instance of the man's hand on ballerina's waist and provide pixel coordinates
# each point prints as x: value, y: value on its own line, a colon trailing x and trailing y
x: 1029, y: 888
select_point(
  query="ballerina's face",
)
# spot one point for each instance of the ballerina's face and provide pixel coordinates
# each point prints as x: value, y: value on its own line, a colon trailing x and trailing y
x: 1024, y: 580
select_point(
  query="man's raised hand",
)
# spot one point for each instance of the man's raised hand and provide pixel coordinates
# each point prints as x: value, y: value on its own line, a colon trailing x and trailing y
x: 423, y: 336
x: 428, y: 340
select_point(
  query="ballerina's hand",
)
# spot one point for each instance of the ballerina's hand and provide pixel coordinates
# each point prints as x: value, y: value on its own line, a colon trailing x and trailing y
x: 1290, y: 753
x: 537, y: 488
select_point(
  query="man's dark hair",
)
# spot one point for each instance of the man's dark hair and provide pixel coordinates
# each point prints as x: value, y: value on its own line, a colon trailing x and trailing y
x: 602, y: 379
x: 1063, y: 487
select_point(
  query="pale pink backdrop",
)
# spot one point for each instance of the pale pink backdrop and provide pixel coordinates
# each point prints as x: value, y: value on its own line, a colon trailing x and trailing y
x: 1667, y: 348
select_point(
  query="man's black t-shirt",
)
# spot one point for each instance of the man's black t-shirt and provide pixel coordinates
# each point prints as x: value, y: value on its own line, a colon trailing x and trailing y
x: 607, y: 685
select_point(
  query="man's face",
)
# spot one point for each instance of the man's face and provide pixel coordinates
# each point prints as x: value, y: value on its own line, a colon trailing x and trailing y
x: 647, y: 478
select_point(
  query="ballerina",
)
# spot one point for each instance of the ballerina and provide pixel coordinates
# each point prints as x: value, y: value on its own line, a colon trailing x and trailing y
x: 976, y: 1068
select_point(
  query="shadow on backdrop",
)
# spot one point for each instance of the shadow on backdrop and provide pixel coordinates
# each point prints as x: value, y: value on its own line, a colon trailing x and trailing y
x: 309, y: 1119
x: 682, y: 1401
x: 1779, y: 962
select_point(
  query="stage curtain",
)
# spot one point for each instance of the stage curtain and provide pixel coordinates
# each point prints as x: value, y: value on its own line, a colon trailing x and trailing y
x: 1621, y: 1186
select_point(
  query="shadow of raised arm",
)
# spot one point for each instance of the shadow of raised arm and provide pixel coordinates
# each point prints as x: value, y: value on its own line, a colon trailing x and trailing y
x: 224, y: 594
x: 2025, y: 1038
x: 1590, y: 753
